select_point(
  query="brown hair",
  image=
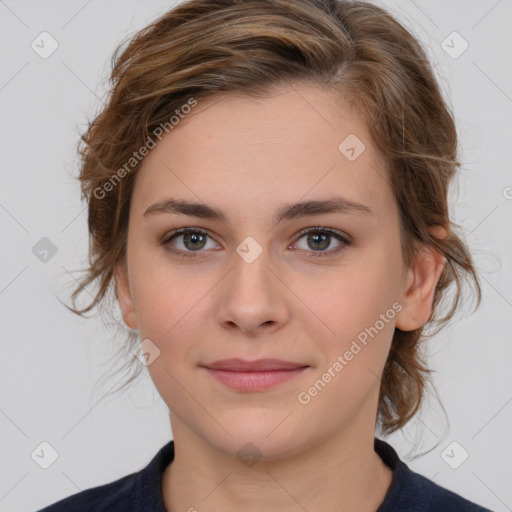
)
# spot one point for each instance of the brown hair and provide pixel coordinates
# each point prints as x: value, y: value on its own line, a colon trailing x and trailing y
x: 352, y: 48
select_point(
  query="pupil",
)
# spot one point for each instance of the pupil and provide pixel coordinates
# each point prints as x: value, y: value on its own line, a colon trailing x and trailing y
x: 195, y: 237
x: 322, y: 238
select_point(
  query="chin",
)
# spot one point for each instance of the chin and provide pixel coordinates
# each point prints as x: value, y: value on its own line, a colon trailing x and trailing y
x: 260, y: 434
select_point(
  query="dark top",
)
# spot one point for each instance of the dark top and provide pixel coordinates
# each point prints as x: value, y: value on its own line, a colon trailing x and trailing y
x: 141, y: 491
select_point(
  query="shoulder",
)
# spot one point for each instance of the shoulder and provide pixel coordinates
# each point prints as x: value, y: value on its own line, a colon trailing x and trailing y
x: 440, y: 498
x: 109, y: 497
x: 139, y: 491
x: 411, y: 491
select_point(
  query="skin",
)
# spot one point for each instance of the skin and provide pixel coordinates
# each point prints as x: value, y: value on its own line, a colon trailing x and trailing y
x: 248, y: 157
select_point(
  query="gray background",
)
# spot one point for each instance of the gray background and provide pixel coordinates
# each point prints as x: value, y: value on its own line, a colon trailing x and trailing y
x: 51, y: 359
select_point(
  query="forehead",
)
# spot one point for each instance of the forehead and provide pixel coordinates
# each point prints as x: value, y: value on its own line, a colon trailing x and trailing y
x: 245, y: 153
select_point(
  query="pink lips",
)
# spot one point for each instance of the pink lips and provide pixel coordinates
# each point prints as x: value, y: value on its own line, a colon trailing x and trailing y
x: 253, y: 375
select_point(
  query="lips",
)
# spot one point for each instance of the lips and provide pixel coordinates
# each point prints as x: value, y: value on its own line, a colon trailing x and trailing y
x: 251, y: 376
x: 261, y: 365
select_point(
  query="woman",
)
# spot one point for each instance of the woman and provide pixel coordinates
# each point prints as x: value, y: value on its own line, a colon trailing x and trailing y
x: 267, y: 191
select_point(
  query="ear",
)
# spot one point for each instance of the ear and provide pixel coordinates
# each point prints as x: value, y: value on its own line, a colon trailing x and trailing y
x: 123, y: 294
x: 420, y: 284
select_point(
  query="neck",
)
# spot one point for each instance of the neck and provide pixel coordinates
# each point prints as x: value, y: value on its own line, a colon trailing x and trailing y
x: 206, y: 479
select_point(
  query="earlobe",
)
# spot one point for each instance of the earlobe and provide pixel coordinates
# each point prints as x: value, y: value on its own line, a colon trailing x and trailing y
x: 420, y: 285
x: 123, y: 294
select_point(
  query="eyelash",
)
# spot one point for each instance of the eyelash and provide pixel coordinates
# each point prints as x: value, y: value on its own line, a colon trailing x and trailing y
x: 190, y: 254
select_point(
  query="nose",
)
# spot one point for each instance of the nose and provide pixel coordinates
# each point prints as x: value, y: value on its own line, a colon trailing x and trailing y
x: 252, y: 298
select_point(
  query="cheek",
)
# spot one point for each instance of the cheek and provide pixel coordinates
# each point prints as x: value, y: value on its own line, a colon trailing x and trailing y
x: 165, y: 294
x: 360, y: 312
x: 357, y: 307
x: 171, y: 313
x: 173, y: 308
x: 355, y: 297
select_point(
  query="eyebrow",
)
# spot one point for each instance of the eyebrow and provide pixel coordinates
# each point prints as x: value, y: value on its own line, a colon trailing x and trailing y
x: 286, y: 212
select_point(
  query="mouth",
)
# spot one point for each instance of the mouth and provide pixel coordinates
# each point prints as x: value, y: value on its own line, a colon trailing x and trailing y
x: 254, y: 375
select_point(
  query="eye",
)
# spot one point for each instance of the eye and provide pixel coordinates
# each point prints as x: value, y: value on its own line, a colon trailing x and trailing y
x: 320, y: 238
x: 193, y: 240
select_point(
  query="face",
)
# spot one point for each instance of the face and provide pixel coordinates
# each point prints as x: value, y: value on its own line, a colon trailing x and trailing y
x: 321, y: 286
